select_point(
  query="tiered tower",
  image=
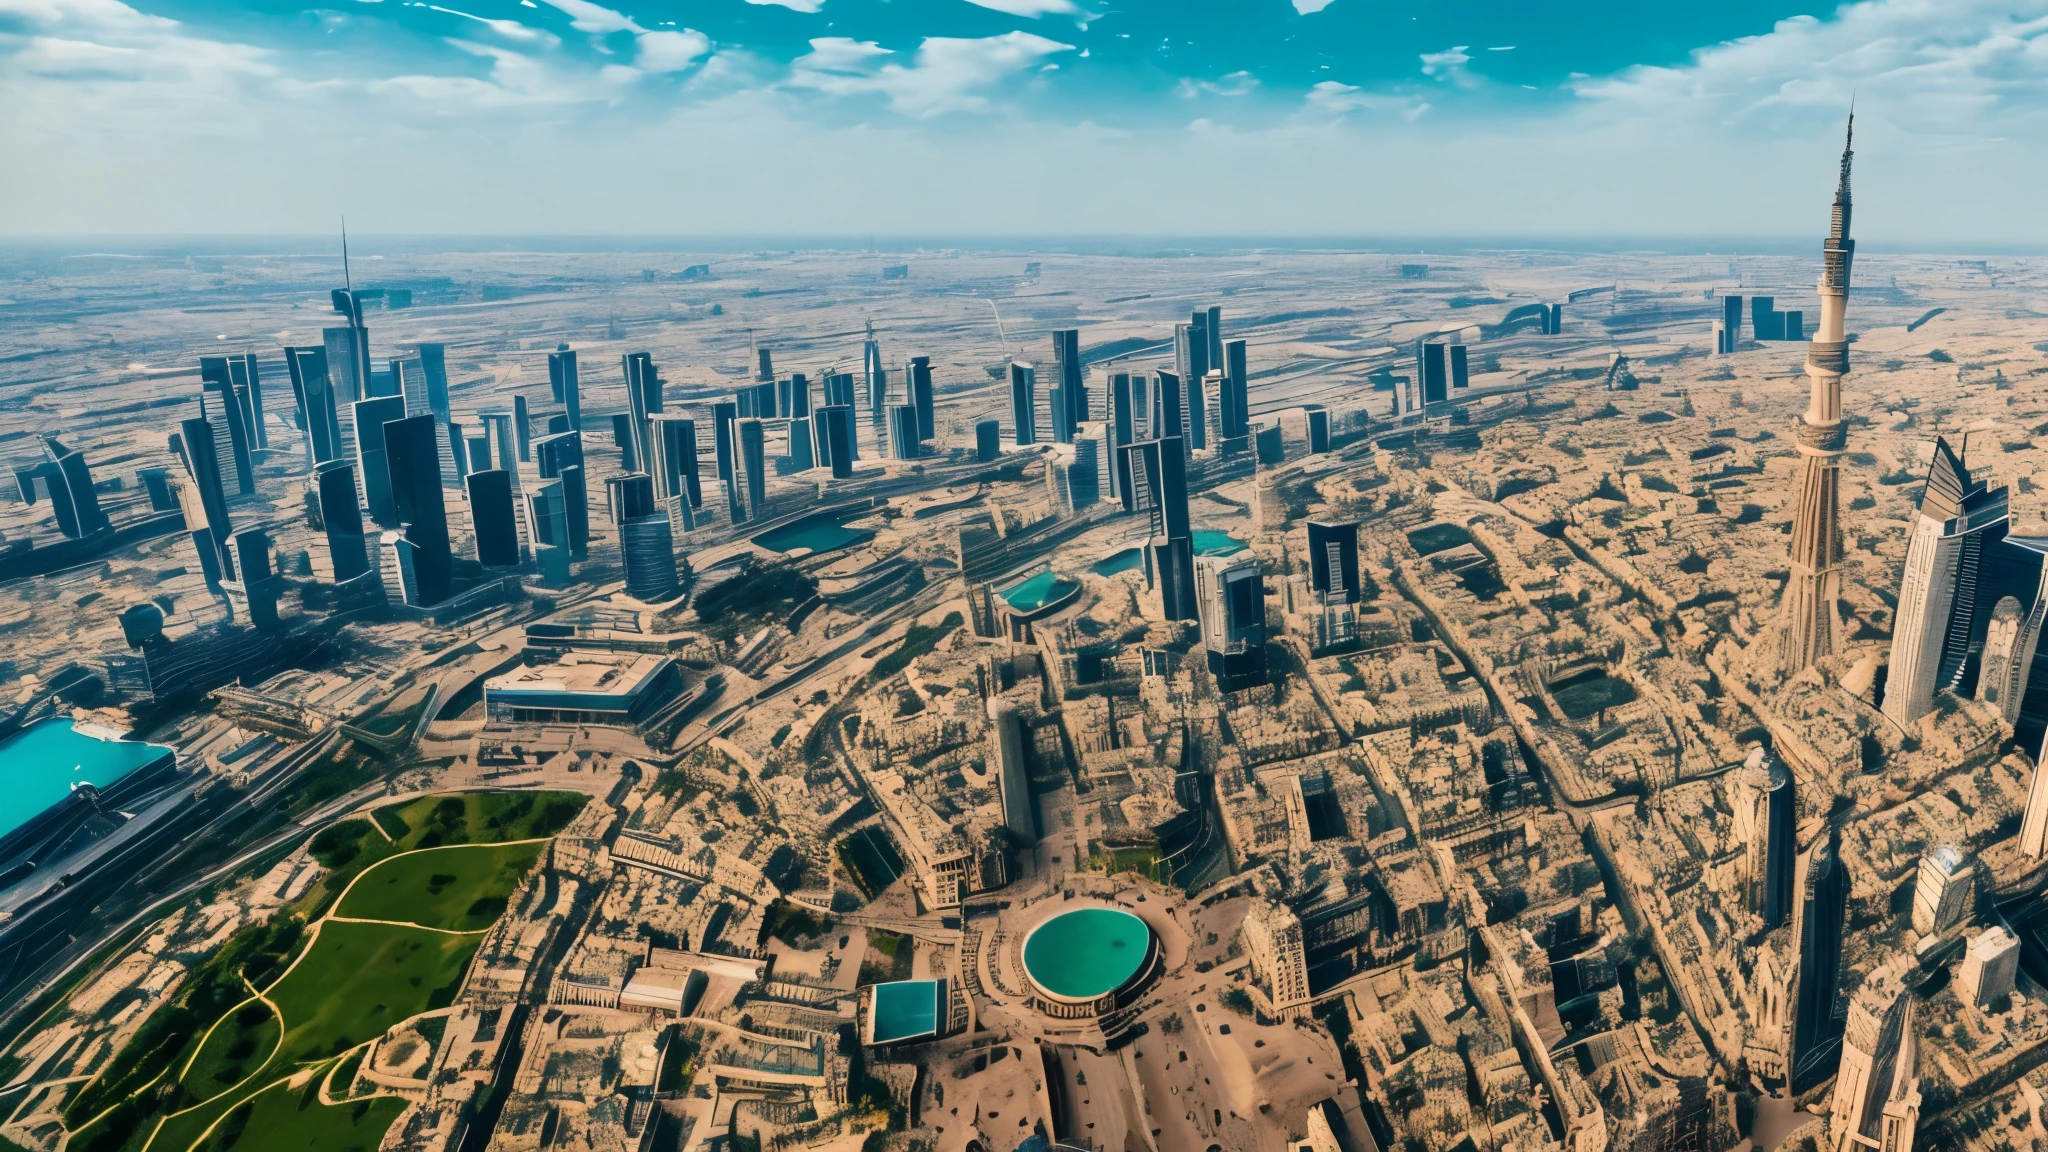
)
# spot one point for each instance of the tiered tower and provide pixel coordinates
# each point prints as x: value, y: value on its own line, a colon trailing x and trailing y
x: 1812, y: 618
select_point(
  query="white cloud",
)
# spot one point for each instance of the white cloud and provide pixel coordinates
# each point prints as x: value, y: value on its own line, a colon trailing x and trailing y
x: 671, y: 51
x: 1231, y: 84
x: 1031, y: 9
x: 509, y: 29
x: 1938, y: 67
x: 1344, y: 99
x: 594, y: 18
x: 1449, y: 64
x: 947, y: 74
x: 1311, y: 7
x: 811, y: 6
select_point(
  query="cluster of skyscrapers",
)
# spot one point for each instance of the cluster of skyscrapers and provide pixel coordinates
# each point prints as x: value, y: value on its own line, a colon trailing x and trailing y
x: 1765, y: 322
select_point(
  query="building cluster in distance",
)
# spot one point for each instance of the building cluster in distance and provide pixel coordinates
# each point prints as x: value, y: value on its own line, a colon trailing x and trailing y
x: 1259, y: 701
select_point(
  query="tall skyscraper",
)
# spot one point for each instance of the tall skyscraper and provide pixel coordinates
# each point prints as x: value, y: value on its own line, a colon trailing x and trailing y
x: 1945, y: 892
x: 801, y: 443
x: 412, y: 452
x: 674, y: 458
x: 1877, y: 1095
x: 988, y: 440
x: 372, y: 468
x: 1731, y: 324
x: 1812, y: 623
x: 215, y: 380
x: 206, y: 501
x: 1931, y: 631
x: 1123, y: 431
x: 348, y: 361
x: 765, y: 369
x: 1333, y: 561
x: 753, y: 453
x: 723, y: 415
x: 433, y: 360
x: 522, y: 427
x: 1169, y: 420
x: 492, y: 519
x: 1761, y: 794
x: 917, y: 378
x: 903, y: 438
x: 547, y: 520
x: 1823, y: 901
x: 835, y: 439
x: 1461, y: 372
x: 254, y: 589
x: 1023, y: 404
x: 1237, y: 414
x: 576, y: 509
x: 643, y: 402
x: 72, y: 490
x: 1431, y: 374
x: 1191, y: 364
x: 248, y: 384
x: 645, y: 542
x: 877, y: 377
x: 348, y: 550
x: 502, y: 450
x: 314, y: 392
x: 564, y: 387
x: 1230, y: 595
x: 1072, y: 407
x: 424, y: 395
x: 1318, y: 429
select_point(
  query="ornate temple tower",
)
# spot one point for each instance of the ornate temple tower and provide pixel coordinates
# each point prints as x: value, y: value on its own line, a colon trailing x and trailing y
x: 1812, y: 618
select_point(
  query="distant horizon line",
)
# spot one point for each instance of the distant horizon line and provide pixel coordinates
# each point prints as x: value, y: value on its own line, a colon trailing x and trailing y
x: 301, y: 245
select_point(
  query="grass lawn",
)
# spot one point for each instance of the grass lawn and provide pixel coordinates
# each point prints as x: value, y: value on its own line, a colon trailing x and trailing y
x: 238, y: 1046
x: 462, y: 889
x: 360, y: 979
x: 280, y: 1118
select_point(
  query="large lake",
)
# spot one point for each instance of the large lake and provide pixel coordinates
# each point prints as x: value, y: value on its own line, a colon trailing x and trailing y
x: 39, y: 764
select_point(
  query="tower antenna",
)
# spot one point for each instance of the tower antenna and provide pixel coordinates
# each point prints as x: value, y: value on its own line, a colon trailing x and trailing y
x: 346, y: 283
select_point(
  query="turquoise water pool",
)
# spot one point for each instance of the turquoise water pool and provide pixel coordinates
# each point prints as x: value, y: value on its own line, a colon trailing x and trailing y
x: 1087, y: 953
x: 40, y: 764
x: 1042, y: 589
x: 821, y: 533
x: 1124, y: 561
x: 1212, y: 543
x: 907, y: 1008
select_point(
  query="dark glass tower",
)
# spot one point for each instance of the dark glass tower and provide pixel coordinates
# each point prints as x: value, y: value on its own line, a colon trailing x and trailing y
x: 313, y: 389
x: 412, y: 453
x: 563, y: 386
x: 1817, y: 933
x: 491, y: 517
x: 371, y: 463
x: 1071, y: 409
x: 217, y: 382
x: 1333, y: 561
x: 918, y: 378
x: 334, y: 486
x: 1023, y: 404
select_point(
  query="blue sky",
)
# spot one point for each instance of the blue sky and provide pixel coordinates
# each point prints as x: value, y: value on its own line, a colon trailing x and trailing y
x: 1022, y: 117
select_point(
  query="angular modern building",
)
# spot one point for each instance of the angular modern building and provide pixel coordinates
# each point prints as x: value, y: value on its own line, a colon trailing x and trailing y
x: 206, y: 500
x: 917, y: 379
x: 1877, y: 1088
x: 1815, y: 1032
x: 368, y: 419
x: 903, y: 436
x: 216, y: 380
x: 412, y: 452
x: 1237, y: 416
x: 877, y: 377
x: 313, y: 390
x: 1333, y: 561
x: 1230, y: 595
x: 1765, y: 814
x: 1023, y: 404
x: 492, y: 519
x: 1190, y: 364
x: 1960, y: 521
x: 646, y: 544
x: 836, y: 439
x: 1070, y: 390
x: 341, y: 517
x: 564, y: 387
x: 1811, y: 624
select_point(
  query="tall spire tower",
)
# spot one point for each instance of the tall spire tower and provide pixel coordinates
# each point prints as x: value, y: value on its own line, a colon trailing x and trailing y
x: 1812, y: 618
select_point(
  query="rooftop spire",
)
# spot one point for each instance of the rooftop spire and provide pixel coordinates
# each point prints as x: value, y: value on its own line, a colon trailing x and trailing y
x: 1841, y: 221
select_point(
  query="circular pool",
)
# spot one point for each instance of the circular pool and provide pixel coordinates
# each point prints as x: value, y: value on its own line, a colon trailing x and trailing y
x: 1081, y: 961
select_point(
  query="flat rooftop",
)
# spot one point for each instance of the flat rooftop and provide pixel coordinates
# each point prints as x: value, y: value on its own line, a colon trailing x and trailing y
x: 907, y: 1010
x: 579, y: 679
